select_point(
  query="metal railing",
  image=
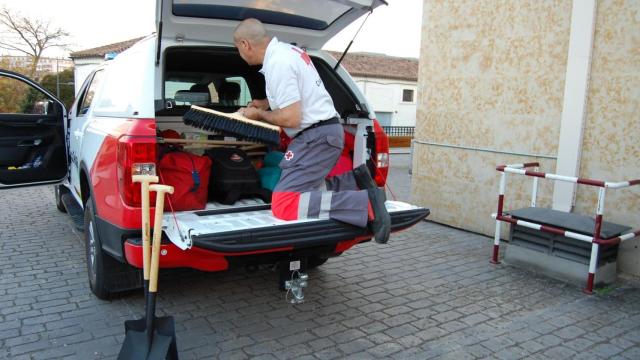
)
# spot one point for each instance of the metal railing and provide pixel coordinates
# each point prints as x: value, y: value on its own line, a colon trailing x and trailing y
x: 596, y: 240
x: 399, y: 130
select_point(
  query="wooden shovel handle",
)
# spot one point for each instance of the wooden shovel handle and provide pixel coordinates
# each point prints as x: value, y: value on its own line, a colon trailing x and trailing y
x: 157, y: 233
x: 144, y: 181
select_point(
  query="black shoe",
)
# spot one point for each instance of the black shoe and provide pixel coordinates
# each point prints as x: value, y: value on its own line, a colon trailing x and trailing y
x: 381, y: 224
x: 363, y: 177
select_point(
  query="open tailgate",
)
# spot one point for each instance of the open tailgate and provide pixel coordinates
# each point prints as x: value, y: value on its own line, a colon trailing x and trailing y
x: 249, y: 226
x: 308, y: 23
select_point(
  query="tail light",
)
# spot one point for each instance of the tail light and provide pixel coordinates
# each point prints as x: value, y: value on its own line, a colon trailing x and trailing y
x: 381, y: 154
x: 136, y: 156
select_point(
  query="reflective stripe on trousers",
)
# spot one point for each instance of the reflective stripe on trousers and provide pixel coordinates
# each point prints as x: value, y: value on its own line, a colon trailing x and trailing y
x: 302, y: 191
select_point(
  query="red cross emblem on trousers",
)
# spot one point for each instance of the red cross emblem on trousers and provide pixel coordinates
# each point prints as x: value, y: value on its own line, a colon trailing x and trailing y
x: 303, y: 55
x: 288, y: 155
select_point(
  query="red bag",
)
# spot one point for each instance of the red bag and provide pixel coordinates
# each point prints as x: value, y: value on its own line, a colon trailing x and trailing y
x: 189, y: 175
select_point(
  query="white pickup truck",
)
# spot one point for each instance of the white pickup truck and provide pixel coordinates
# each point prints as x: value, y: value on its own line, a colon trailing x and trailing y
x: 111, y: 131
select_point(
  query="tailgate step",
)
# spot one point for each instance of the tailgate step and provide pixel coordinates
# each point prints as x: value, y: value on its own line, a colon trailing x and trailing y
x: 74, y: 210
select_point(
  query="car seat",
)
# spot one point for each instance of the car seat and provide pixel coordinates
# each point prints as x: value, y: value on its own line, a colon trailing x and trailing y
x: 229, y: 93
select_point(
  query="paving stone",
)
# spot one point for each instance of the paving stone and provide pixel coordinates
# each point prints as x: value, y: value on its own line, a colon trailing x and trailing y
x: 356, y: 346
x: 385, y: 350
x: 511, y: 353
x: 328, y: 354
x: 560, y: 352
x: 579, y: 344
x: 604, y: 350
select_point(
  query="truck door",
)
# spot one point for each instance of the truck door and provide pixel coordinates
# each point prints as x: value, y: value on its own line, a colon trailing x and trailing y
x: 79, y: 119
x: 32, y: 133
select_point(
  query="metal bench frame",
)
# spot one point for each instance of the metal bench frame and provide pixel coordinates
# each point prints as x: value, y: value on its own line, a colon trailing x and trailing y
x: 595, y: 240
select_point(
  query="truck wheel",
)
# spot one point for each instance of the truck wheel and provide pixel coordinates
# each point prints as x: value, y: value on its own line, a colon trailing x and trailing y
x: 58, y: 193
x: 97, y: 260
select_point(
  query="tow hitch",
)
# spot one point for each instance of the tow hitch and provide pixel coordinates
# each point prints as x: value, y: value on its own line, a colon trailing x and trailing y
x: 296, y: 286
x: 293, y: 279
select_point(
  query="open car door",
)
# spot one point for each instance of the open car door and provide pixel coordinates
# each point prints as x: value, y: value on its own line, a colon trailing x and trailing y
x: 32, y: 133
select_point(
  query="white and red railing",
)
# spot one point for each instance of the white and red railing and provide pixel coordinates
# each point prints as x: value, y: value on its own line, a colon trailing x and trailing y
x: 595, y: 240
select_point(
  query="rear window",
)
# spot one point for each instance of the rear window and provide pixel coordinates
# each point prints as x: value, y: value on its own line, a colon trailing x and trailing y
x: 223, y: 91
x: 306, y: 15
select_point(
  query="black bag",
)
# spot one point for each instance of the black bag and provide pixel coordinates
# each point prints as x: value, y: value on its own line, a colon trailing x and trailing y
x: 233, y: 177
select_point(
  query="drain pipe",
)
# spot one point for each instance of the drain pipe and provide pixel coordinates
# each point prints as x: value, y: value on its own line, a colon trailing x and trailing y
x: 574, y: 108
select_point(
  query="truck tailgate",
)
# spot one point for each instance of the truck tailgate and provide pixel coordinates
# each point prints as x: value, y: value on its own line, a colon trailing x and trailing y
x: 249, y: 225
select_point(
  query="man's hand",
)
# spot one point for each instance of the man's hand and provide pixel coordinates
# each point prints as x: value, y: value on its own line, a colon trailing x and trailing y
x: 251, y: 113
x: 262, y: 104
x: 289, y: 117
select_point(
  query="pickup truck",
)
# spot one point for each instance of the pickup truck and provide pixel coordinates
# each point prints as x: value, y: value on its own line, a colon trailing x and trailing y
x: 111, y: 131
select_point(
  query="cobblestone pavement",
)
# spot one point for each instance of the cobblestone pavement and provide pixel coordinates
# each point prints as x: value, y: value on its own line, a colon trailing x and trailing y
x: 430, y: 293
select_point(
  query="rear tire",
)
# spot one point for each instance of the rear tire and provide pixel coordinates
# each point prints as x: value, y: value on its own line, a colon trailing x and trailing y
x: 58, y: 194
x: 97, y: 261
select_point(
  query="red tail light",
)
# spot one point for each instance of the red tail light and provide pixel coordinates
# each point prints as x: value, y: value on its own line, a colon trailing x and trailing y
x: 381, y: 154
x: 134, y: 152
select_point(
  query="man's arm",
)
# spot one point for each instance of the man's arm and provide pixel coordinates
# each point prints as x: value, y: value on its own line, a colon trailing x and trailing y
x: 289, y: 117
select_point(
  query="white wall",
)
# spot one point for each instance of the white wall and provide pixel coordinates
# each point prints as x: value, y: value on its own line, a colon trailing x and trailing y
x: 385, y: 95
x: 83, y: 67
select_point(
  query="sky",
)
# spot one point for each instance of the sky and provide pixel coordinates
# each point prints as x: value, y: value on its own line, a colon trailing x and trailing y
x: 393, y: 30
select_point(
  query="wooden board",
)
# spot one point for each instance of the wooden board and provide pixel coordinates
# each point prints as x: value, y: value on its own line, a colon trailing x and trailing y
x: 400, y: 141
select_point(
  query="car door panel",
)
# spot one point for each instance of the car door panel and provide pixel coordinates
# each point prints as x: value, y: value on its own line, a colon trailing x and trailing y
x: 32, y: 134
x: 23, y: 135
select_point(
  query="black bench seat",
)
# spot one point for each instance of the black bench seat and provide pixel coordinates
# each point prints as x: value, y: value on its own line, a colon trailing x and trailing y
x: 577, y: 223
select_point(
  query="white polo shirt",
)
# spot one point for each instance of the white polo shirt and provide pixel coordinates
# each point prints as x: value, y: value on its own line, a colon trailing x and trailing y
x: 290, y: 76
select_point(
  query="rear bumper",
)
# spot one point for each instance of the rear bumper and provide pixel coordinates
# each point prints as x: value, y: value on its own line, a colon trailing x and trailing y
x: 207, y: 260
x: 219, y: 252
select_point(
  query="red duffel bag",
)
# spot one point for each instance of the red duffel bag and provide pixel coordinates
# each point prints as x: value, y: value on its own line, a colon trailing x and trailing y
x: 189, y: 175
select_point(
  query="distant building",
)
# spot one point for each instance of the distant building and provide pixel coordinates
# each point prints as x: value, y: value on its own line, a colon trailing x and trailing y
x: 389, y: 83
x: 45, y: 65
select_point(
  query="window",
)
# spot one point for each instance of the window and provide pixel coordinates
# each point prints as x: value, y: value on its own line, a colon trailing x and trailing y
x: 407, y: 95
x: 282, y: 12
x: 88, y: 96
x: 384, y: 118
x: 17, y: 97
x: 244, y: 96
x: 222, y: 91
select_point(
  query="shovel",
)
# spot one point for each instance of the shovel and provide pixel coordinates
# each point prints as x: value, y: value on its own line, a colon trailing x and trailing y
x: 144, y: 181
x: 152, y: 337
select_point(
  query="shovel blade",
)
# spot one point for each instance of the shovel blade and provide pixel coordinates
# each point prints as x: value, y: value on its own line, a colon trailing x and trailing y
x: 136, y: 344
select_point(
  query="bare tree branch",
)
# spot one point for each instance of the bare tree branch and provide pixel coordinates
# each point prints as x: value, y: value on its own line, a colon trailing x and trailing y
x: 34, y: 36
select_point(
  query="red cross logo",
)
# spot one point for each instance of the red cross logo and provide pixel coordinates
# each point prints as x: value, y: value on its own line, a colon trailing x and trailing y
x: 288, y: 155
x: 303, y: 55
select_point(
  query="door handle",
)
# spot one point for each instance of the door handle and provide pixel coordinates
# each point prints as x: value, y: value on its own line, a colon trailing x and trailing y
x: 78, y: 134
x: 46, y: 121
x: 26, y: 143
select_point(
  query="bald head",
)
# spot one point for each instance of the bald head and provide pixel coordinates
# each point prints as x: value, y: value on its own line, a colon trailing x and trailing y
x: 251, y: 39
x: 251, y: 30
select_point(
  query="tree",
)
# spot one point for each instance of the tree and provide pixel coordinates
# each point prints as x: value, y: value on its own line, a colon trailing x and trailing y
x: 65, y: 79
x: 11, y: 91
x: 34, y: 36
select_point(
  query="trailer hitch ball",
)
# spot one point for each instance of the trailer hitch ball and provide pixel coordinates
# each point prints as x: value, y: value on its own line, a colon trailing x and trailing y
x: 295, y: 286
